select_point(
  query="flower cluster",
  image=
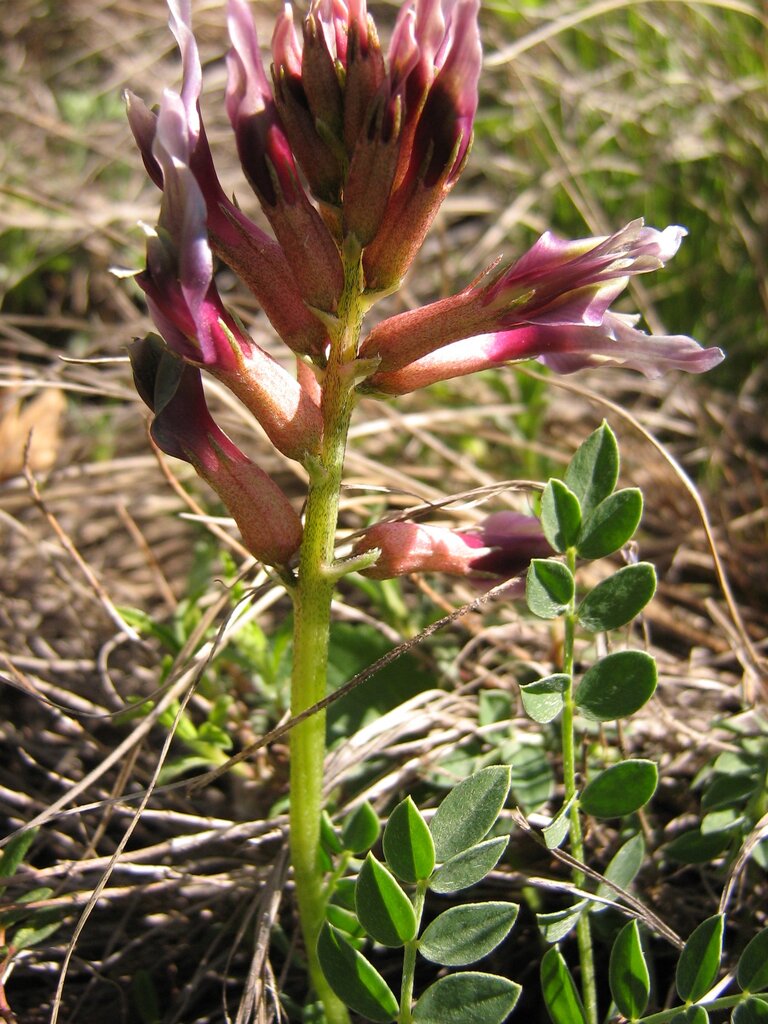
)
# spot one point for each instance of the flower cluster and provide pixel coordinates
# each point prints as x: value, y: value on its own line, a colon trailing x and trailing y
x: 350, y: 156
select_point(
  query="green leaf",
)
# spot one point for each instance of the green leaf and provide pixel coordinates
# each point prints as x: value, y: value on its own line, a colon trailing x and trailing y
x: 555, y: 832
x: 727, y: 790
x: 329, y: 837
x: 465, y: 934
x: 382, y: 907
x: 693, y: 1015
x: 615, y: 601
x: 543, y: 699
x: 467, y: 998
x: 344, y: 893
x: 728, y: 820
x: 752, y: 969
x: 549, y: 588
x: 468, y: 867
x: 468, y: 812
x: 617, y: 685
x: 344, y: 921
x: 532, y: 777
x: 560, y: 515
x: 408, y: 845
x: 556, y: 924
x: 751, y: 1011
x: 361, y: 829
x: 692, y: 847
x: 623, y: 867
x: 355, y: 646
x: 700, y: 960
x: 354, y: 979
x: 594, y: 468
x: 561, y: 997
x: 15, y: 852
x: 612, y: 524
x: 620, y: 789
x: 34, y: 933
x: 628, y: 973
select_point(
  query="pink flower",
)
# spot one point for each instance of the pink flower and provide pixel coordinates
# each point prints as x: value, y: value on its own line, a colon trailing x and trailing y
x: 267, y: 159
x: 255, y: 257
x: 189, y: 313
x: 184, y: 428
x: 502, y: 546
x: 435, y: 59
x: 552, y: 305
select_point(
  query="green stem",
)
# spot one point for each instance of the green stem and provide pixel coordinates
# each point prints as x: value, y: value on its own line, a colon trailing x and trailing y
x: 312, y: 615
x: 723, y: 1003
x: 409, y: 959
x: 583, y: 931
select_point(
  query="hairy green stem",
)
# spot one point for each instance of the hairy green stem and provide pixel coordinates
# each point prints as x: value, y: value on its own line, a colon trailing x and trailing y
x: 312, y: 614
x: 409, y: 959
x: 583, y: 931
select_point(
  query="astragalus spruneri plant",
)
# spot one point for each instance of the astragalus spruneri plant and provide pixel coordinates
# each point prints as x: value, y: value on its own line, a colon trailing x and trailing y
x: 350, y: 155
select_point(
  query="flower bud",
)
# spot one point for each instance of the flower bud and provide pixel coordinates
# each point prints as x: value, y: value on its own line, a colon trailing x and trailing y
x: 184, y: 428
x: 435, y: 61
x: 267, y: 159
x: 501, y: 546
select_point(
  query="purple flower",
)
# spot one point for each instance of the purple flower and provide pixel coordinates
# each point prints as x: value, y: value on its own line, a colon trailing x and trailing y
x: 501, y: 546
x: 267, y: 159
x: 435, y: 59
x: 188, y: 311
x: 256, y: 258
x: 184, y: 428
x: 552, y: 305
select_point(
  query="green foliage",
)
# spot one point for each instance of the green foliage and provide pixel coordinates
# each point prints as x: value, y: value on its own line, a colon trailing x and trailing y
x: 354, y: 979
x: 469, y: 867
x: 751, y: 1011
x: 543, y: 699
x: 616, y: 600
x: 22, y: 925
x: 594, y: 469
x: 561, y: 997
x: 617, y: 686
x: 611, y: 524
x: 623, y: 867
x: 467, y: 813
x: 752, y: 969
x: 408, y: 845
x: 734, y: 797
x: 620, y: 789
x: 382, y: 907
x: 700, y: 960
x: 549, y: 588
x: 560, y: 515
x: 361, y: 829
x: 628, y: 973
x: 467, y: 998
x: 459, y: 936
x: 465, y: 934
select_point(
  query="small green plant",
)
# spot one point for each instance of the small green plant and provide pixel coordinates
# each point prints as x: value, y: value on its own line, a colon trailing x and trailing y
x: 386, y: 901
x: 734, y: 796
x: 22, y: 923
x: 584, y: 518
